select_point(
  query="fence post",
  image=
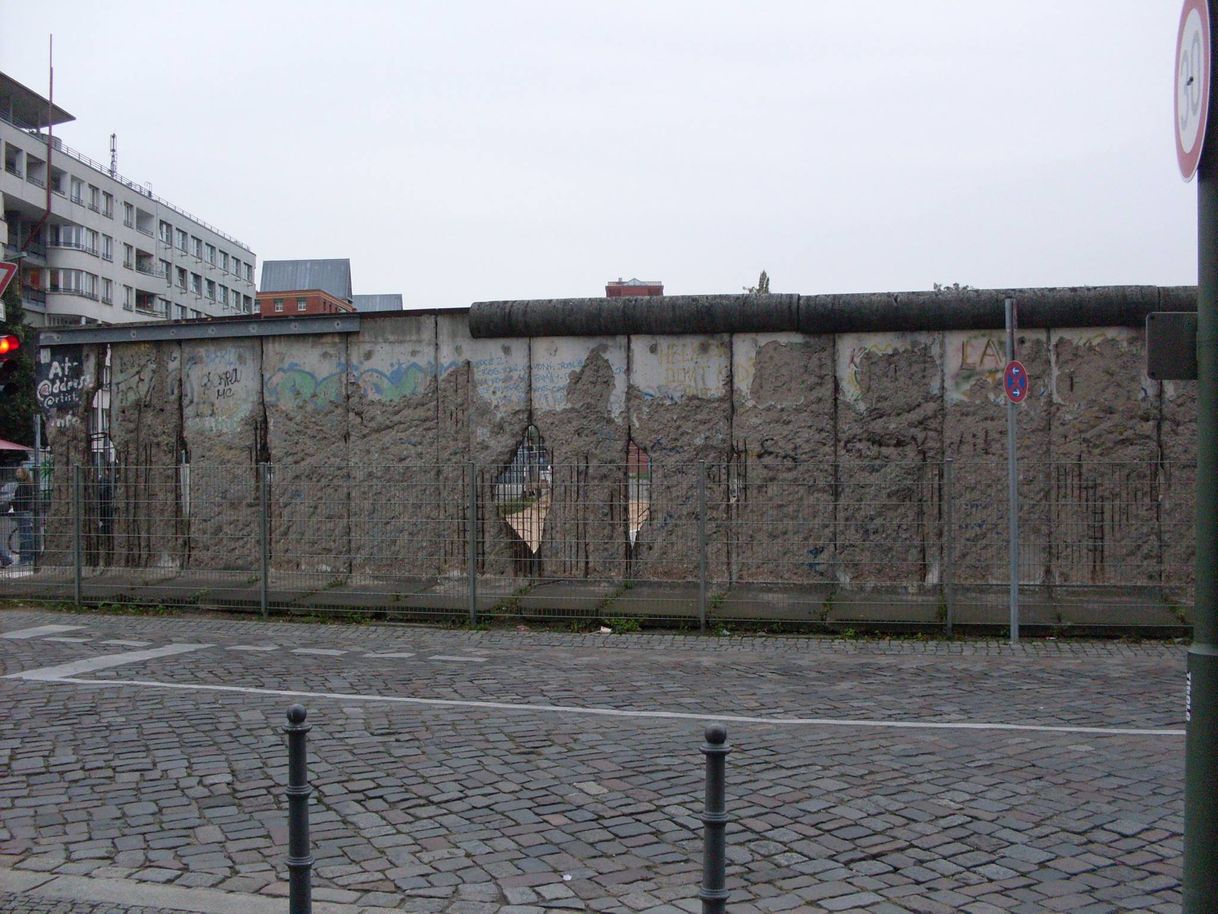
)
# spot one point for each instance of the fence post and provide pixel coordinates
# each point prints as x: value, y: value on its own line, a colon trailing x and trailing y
x: 77, y: 529
x: 472, y: 526
x: 300, y: 861
x: 714, y: 822
x: 36, y: 538
x: 702, y: 546
x: 264, y: 539
x: 949, y: 545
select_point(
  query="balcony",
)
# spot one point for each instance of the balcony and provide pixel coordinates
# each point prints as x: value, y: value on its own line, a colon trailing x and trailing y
x: 12, y: 169
x: 73, y: 246
x: 36, y: 181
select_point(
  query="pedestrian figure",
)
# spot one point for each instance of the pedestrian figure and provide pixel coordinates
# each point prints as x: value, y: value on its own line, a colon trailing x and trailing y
x: 23, y: 511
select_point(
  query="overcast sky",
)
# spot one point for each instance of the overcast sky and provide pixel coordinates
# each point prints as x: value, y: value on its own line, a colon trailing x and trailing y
x: 464, y: 151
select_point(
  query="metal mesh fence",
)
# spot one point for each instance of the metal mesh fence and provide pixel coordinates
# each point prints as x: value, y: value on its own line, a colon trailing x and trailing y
x: 845, y: 544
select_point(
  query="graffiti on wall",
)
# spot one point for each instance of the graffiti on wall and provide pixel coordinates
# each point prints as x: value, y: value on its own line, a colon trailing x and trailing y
x: 219, y: 388
x: 674, y: 368
x: 855, y: 350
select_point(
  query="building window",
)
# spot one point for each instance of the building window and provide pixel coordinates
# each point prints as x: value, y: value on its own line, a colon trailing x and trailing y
x: 78, y: 190
x: 279, y: 304
x: 211, y: 290
x: 224, y: 295
x: 128, y: 298
x: 211, y: 254
x: 302, y: 304
x: 95, y: 198
x: 107, y: 247
x: 249, y: 272
x: 224, y: 261
x: 196, y: 247
x: 107, y: 292
x: 181, y: 237
x: 107, y: 204
x: 165, y: 232
x: 128, y: 255
x: 196, y: 283
x: 166, y: 270
x: 129, y: 215
x: 182, y: 278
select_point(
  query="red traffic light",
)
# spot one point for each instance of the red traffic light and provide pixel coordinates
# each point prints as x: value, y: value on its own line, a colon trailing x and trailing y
x: 8, y: 345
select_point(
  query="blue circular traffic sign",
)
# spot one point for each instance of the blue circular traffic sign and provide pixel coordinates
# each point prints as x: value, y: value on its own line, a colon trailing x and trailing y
x: 1015, y: 381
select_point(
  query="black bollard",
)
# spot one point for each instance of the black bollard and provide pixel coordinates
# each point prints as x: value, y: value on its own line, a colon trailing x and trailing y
x: 714, y: 823
x: 300, y: 861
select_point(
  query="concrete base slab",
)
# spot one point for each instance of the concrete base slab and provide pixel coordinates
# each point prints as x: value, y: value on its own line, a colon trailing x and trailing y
x: 655, y: 600
x: 562, y: 598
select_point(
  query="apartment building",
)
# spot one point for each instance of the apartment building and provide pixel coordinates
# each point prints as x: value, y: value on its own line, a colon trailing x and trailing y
x: 110, y: 251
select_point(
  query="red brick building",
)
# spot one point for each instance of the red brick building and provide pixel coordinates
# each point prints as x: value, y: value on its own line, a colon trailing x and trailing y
x: 300, y: 301
x: 624, y: 287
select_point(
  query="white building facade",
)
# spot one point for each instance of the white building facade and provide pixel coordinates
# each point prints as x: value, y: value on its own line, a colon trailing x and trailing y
x: 109, y: 251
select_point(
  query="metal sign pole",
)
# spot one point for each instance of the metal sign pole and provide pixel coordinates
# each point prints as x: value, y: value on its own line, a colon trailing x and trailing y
x: 1012, y: 482
x: 1201, y: 746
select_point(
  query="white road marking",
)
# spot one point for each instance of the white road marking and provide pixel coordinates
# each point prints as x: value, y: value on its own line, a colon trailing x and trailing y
x: 320, y: 651
x: 254, y: 647
x: 125, y: 643
x: 605, y: 712
x: 458, y: 659
x: 397, y: 655
x: 69, y: 640
x: 38, y: 631
x: 104, y: 662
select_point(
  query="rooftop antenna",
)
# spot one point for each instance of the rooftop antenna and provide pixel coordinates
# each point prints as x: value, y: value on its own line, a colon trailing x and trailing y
x: 114, y: 155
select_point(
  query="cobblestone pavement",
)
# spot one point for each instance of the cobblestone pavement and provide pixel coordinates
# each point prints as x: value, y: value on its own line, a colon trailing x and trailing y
x: 460, y: 771
x: 12, y: 903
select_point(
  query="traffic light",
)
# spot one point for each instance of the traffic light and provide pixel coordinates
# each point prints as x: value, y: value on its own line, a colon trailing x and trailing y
x: 8, y: 364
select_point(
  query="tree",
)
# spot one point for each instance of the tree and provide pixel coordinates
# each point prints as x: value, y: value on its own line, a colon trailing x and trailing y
x: 762, y: 287
x: 17, y: 405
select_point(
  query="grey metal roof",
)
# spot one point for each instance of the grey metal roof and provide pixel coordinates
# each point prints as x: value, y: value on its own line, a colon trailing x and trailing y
x: 333, y: 276
x: 384, y: 302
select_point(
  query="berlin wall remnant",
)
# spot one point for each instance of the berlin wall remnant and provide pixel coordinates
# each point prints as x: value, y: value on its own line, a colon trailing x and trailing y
x: 856, y: 424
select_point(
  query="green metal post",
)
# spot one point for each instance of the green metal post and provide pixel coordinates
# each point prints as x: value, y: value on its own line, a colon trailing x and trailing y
x: 1201, y: 751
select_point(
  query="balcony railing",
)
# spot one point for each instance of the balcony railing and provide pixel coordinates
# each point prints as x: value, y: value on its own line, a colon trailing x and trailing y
x: 12, y: 169
x: 79, y: 293
x: 73, y: 245
x: 35, y: 295
x: 37, y: 182
x: 146, y: 269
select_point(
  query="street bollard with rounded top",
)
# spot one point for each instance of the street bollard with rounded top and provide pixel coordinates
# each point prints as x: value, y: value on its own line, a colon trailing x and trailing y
x: 714, y: 822
x: 300, y: 861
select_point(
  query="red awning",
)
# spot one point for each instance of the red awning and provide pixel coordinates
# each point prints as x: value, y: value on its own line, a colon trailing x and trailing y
x: 9, y: 446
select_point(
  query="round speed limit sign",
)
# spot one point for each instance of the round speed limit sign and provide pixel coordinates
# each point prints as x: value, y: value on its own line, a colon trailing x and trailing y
x: 1192, y: 84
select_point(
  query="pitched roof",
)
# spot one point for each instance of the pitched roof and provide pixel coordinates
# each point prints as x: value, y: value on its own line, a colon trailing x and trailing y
x: 383, y: 302
x: 333, y: 276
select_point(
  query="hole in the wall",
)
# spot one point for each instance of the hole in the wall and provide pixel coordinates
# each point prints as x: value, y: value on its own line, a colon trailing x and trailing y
x: 638, y: 490
x: 524, y: 487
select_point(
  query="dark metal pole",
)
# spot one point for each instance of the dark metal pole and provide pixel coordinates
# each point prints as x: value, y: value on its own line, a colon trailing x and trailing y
x: 702, y: 546
x: 714, y: 823
x: 1201, y: 747
x: 949, y: 546
x: 264, y: 540
x: 78, y: 510
x: 1012, y: 482
x: 300, y: 861
x: 472, y: 524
